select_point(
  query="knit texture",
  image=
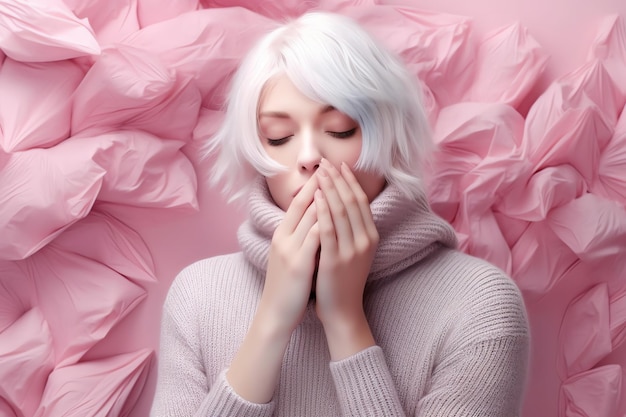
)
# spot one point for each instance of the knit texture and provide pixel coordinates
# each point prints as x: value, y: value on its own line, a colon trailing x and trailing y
x: 451, y: 330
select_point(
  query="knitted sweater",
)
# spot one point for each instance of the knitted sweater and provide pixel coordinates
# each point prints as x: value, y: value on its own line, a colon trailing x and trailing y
x: 451, y: 330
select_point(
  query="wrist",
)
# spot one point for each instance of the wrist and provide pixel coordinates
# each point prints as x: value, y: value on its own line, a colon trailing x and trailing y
x: 348, y: 335
x: 270, y: 324
x: 255, y: 368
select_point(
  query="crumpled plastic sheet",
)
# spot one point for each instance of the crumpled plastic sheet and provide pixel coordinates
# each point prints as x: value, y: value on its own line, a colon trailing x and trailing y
x: 43, y: 31
x: 208, y: 51
x: 26, y: 360
x: 126, y: 167
x: 102, y: 102
x: 58, y: 303
x: 116, y: 21
x: 113, y: 385
x: 131, y: 88
x: 610, y: 180
x: 81, y: 299
x: 586, y: 320
x: 594, y: 393
x: 36, y: 103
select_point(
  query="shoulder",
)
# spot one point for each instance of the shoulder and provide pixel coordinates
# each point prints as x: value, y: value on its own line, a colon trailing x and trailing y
x: 475, y: 277
x: 203, y: 270
x: 199, y: 282
x: 486, y: 302
x: 472, y: 295
x: 465, y: 277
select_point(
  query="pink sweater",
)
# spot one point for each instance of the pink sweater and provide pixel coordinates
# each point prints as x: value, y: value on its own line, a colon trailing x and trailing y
x: 451, y: 330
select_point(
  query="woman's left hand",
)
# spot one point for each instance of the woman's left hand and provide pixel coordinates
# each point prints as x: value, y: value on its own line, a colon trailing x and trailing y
x: 348, y: 240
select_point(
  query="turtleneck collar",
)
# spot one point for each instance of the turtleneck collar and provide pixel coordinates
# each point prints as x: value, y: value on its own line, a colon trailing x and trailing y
x: 409, y: 231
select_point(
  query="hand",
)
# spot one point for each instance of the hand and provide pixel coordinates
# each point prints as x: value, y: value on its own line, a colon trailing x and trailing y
x: 291, y: 263
x: 348, y: 239
x: 255, y: 368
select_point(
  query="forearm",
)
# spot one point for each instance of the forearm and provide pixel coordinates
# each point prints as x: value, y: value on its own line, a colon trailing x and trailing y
x: 255, y: 369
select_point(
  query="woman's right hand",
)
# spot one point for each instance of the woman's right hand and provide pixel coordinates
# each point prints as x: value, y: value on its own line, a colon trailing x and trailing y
x: 291, y: 263
x: 255, y: 369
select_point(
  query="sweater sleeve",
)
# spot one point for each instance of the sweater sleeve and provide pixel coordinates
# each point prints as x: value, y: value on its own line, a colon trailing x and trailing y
x: 485, y: 379
x: 183, y: 388
x: 364, y: 385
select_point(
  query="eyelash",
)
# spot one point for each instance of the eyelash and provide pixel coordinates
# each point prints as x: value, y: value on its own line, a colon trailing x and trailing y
x: 277, y: 142
x: 338, y: 135
x: 343, y: 135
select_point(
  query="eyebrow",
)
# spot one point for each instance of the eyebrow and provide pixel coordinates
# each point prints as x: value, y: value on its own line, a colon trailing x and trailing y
x: 284, y: 115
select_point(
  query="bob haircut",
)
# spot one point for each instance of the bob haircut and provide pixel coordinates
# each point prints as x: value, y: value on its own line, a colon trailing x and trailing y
x: 333, y: 61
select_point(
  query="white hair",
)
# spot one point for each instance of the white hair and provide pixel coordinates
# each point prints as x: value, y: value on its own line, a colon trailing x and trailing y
x: 333, y: 61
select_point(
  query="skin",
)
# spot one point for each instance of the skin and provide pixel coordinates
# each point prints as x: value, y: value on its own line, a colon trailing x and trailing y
x: 327, y: 208
x: 303, y: 132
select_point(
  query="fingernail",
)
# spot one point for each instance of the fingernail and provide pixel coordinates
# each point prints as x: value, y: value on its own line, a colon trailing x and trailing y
x: 322, y: 171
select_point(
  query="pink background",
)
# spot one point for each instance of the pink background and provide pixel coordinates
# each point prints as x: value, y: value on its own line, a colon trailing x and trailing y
x: 565, y: 29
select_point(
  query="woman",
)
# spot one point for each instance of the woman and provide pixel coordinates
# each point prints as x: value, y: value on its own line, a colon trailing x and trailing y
x: 348, y: 297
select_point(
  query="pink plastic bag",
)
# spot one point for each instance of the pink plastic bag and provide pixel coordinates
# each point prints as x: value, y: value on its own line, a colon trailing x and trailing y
x: 43, y: 30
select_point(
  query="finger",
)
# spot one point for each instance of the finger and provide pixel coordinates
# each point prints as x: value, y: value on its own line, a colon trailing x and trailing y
x: 327, y: 232
x: 338, y: 212
x: 299, y: 205
x: 361, y: 198
x: 311, y: 242
x: 343, y: 188
x: 309, y: 218
x: 350, y: 199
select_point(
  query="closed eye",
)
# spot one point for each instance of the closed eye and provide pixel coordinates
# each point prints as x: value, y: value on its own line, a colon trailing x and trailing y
x: 343, y: 135
x: 277, y: 142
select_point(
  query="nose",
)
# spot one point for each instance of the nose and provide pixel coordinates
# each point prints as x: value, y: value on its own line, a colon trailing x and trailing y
x: 309, y: 156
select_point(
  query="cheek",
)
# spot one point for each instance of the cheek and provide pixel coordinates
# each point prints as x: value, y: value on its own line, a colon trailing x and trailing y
x: 352, y: 157
x: 347, y: 152
x: 271, y: 151
x: 277, y: 186
x: 284, y: 154
x: 276, y: 183
x: 371, y: 183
